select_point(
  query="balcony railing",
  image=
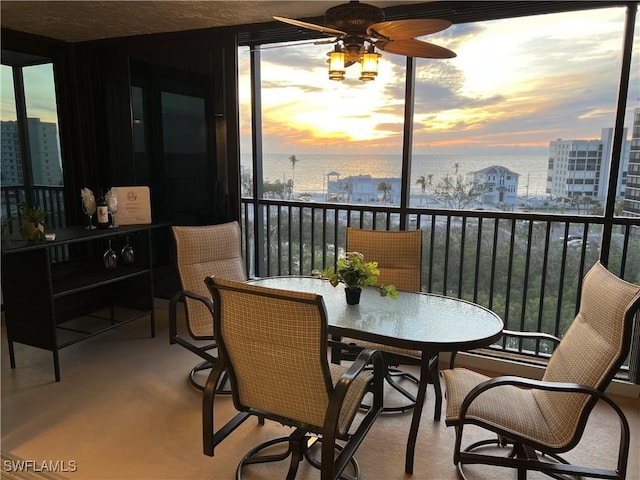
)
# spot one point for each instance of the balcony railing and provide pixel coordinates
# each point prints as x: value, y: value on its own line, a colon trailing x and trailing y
x: 526, y: 267
x: 49, y: 198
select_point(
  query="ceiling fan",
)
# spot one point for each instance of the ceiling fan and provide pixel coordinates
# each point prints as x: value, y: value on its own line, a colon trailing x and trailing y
x: 360, y: 28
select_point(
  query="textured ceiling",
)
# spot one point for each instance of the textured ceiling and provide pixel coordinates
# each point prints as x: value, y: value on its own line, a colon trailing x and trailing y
x: 77, y: 21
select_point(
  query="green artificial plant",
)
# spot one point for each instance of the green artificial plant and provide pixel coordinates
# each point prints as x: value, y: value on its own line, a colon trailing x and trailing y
x: 32, y: 219
x: 355, y: 273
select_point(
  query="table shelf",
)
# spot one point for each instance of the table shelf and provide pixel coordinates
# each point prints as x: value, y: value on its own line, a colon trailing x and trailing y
x: 78, y: 277
x: 81, y: 328
x: 59, y: 293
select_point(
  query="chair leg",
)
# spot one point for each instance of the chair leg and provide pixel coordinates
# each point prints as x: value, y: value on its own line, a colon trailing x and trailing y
x: 523, y: 458
x: 252, y: 456
x: 338, y: 354
x: 393, y: 383
x: 299, y: 444
x: 434, y: 378
x: 522, y: 474
x: 206, y: 365
x: 316, y: 463
x: 298, y: 447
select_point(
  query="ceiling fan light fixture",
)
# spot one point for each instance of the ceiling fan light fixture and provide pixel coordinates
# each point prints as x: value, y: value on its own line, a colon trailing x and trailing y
x: 369, y: 64
x: 336, y: 64
x: 355, y: 23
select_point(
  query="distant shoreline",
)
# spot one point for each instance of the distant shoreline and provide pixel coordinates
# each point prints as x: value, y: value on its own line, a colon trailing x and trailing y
x: 311, y: 169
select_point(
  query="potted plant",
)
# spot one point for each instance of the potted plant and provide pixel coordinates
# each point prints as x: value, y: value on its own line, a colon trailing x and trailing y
x: 355, y: 273
x: 32, y: 222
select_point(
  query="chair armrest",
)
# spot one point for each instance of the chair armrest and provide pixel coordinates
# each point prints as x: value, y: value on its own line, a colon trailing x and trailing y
x: 365, y: 357
x: 336, y: 400
x: 532, y: 384
x: 517, y: 334
x: 173, y: 306
x: 194, y: 296
x: 531, y: 335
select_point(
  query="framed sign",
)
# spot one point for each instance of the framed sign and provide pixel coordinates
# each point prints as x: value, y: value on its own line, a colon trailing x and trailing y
x: 134, y: 205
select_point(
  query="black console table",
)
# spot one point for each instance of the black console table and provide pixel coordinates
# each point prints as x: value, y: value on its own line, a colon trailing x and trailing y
x: 57, y: 293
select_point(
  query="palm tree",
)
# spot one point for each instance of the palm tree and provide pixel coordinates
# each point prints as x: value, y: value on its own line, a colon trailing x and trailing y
x: 422, y: 181
x: 425, y: 183
x: 385, y: 188
x: 293, y: 161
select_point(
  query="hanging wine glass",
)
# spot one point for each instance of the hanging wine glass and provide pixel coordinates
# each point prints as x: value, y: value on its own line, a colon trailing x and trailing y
x: 127, y: 253
x: 88, y: 207
x: 110, y: 259
x: 112, y: 203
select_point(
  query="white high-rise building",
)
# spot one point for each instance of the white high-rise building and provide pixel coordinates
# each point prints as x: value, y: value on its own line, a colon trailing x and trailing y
x: 45, y: 153
x: 11, y: 166
x: 632, y: 192
x: 579, y: 168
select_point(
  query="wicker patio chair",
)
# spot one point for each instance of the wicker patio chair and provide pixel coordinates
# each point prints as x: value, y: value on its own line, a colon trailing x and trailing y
x: 399, y: 257
x: 202, y: 251
x: 273, y: 344
x: 543, y: 419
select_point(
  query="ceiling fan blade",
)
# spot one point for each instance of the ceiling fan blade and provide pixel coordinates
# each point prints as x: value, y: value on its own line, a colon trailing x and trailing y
x: 325, y: 42
x: 312, y: 26
x: 414, y: 48
x: 285, y: 45
x: 412, y: 28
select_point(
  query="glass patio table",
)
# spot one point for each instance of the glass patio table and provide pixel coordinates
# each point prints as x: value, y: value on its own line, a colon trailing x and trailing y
x: 418, y: 321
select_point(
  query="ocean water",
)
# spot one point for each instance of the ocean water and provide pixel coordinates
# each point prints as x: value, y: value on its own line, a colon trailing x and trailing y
x: 310, y: 172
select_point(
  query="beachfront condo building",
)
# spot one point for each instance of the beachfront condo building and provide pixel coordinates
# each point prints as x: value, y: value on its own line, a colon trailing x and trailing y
x: 631, y: 205
x: 580, y: 168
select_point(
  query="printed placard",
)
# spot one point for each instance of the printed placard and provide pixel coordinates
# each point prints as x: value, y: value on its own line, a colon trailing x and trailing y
x: 134, y: 205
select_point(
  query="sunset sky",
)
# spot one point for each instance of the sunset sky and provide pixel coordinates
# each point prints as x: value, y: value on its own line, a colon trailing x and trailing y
x: 514, y: 83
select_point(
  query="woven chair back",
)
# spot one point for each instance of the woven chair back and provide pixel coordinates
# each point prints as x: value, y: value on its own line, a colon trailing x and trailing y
x: 203, y: 251
x: 592, y: 350
x: 398, y: 253
x: 276, y: 349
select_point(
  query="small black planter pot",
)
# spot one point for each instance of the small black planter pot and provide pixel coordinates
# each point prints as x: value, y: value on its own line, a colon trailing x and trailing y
x: 353, y: 295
